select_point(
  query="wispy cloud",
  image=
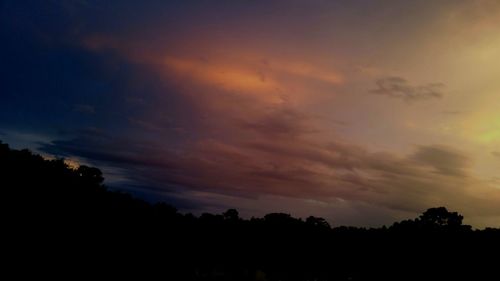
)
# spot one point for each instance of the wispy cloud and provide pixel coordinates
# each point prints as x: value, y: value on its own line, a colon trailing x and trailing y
x: 297, y: 168
x: 444, y: 160
x: 280, y: 122
x: 398, y: 87
x: 268, y: 80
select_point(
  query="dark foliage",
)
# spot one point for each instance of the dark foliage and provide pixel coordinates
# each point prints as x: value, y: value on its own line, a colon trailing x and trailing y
x: 62, y: 222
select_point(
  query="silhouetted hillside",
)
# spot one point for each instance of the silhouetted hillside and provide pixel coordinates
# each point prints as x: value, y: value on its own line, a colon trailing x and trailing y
x: 63, y: 221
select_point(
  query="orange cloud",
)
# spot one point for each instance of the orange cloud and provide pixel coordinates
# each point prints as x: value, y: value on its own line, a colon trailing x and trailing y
x: 310, y: 71
x: 227, y: 77
x: 248, y: 75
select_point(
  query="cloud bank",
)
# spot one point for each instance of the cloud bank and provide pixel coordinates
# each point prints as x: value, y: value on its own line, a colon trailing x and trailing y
x: 203, y: 105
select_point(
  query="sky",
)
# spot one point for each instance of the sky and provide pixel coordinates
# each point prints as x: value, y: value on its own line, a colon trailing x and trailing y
x: 361, y: 112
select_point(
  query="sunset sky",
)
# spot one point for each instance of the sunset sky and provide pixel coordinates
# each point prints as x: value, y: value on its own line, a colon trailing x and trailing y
x: 361, y: 112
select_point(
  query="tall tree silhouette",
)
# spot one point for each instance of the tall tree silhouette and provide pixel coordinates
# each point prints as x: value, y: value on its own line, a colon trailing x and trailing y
x: 441, y: 217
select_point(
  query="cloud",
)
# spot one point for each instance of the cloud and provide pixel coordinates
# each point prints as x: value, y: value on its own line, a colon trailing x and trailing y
x: 257, y: 145
x: 297, y: 168
x: 397, y: 87
x: 280, y: 122
x: 217, y: 110
x: 106, y: 149
x: 309, y: 71
x: 443, y: 159
x: 231, y: 78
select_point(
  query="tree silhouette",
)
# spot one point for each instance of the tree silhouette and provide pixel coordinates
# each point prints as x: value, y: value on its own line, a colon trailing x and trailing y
x: 60, y: 217
x: 440, y: 217
x: 90, y: 175
x: 317, y: 222
x: 231, y: 215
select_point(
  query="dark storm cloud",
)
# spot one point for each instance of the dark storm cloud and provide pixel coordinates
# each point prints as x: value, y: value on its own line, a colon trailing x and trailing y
x: 280, y: 122
x: 109, y: 150
x: 445, y: 160
x: 397, y: 87
x: 295, y: 169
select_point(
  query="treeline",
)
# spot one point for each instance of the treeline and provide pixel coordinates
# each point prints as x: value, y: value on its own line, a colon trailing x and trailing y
x: 63, y: 220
